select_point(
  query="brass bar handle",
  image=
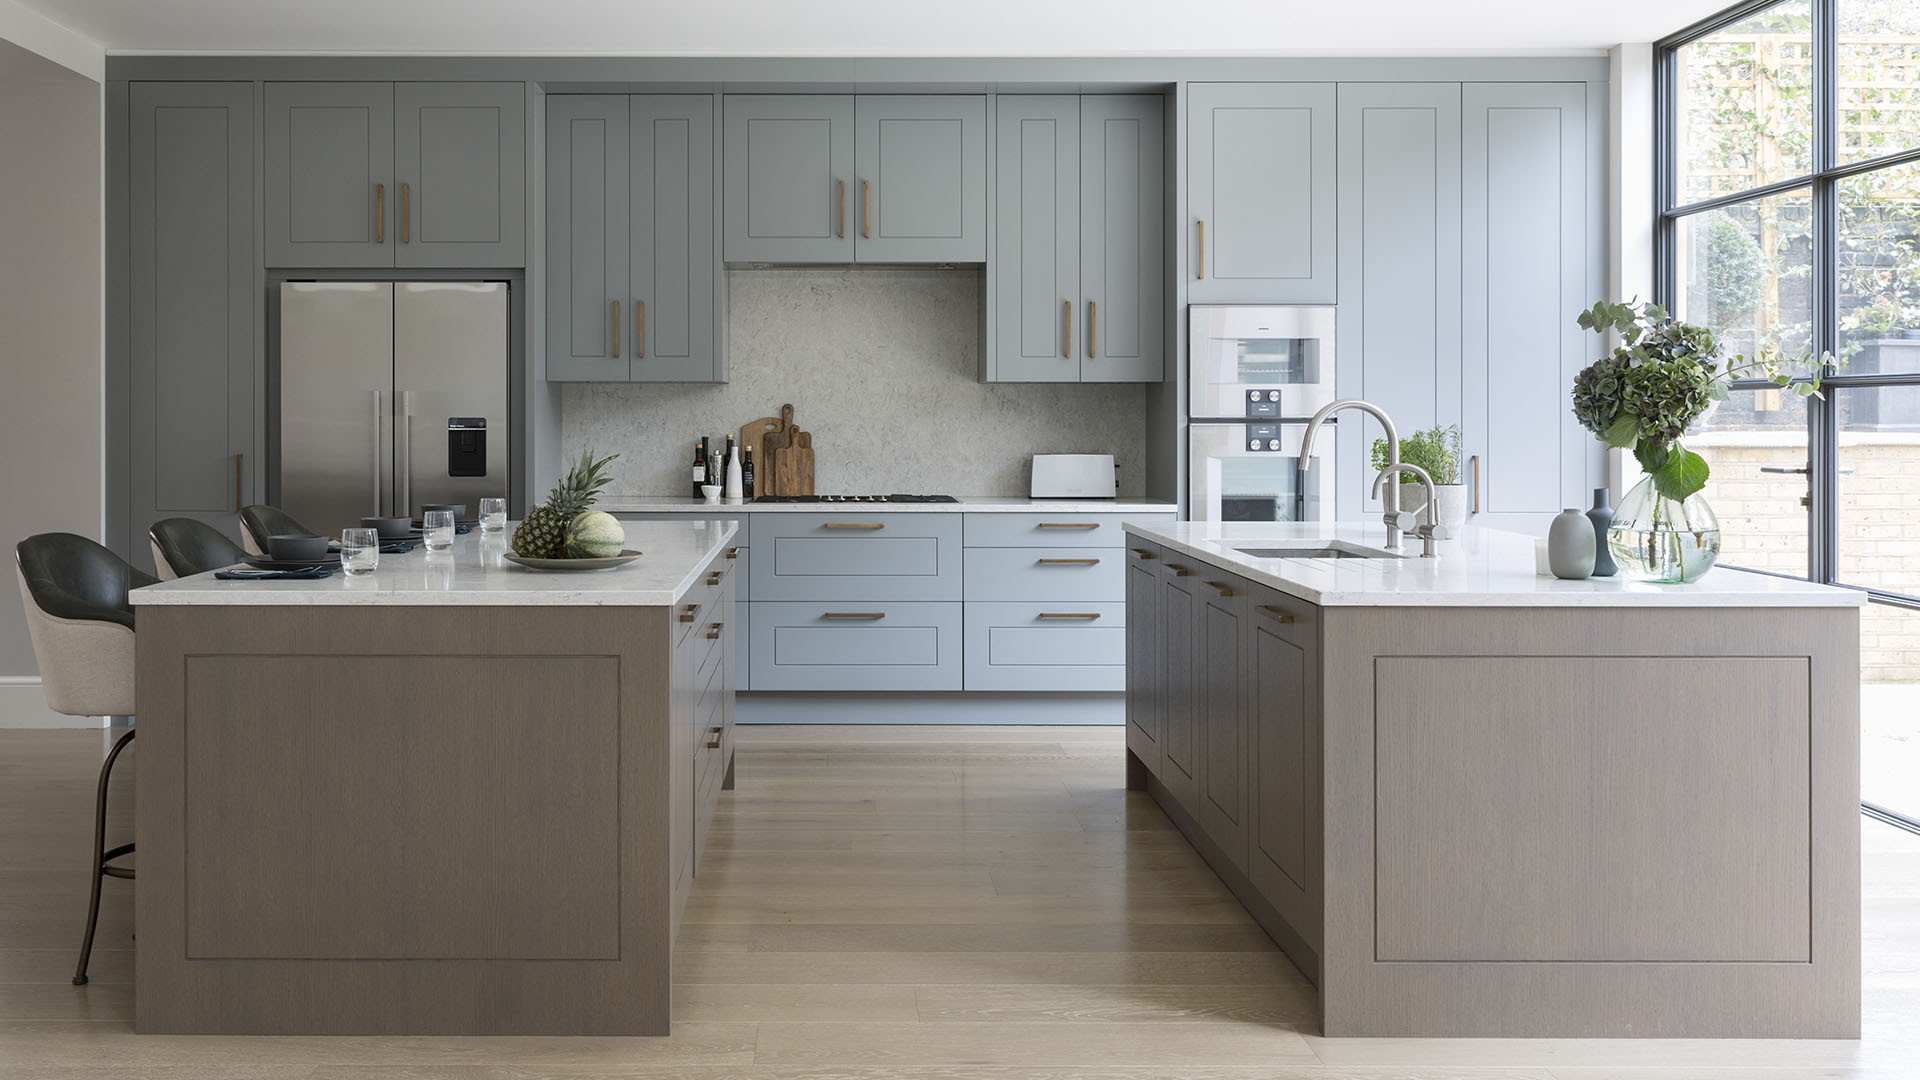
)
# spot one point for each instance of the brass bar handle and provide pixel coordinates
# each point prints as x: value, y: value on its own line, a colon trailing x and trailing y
x: 1092, y: 322
x: 1178, y: 571
x: 379, y: 213
x: 691, y: 613
x: 733, y: 553
x: 713, y: 632
x: 842, y: 232
x: 1201, y: 266
x: 1220, y: 587
x: 616, y: 329
x: 866, y: 210
x: 406, y: 213
x: 239, y: 471
x: 639, y: 329
x: 1089, y: 615
x: 713, y: 741
x: 853, y: 614
x: 853, y: 525
x: 1278, y: 615
x: 1067, y: 562
x: 1069, y: 525
x: 1066, y: 342
x: 1476, y: 483
x: 1144, y: 553
x: 714, y: 577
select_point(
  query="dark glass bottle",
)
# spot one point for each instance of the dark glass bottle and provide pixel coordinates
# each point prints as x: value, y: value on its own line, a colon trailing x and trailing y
x: 746, y: 472
x: 699, y: 467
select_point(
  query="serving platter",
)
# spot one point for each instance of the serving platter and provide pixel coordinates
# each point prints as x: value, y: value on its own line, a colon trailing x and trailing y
x: 609, y: 563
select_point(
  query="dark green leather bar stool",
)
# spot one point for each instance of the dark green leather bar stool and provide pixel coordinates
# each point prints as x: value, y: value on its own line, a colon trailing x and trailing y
x: 259, y: 521
x: 80, y: 618
x: 183, y: 547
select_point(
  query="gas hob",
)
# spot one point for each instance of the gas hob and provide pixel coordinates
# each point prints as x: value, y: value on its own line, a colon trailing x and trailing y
x: 854, y: 499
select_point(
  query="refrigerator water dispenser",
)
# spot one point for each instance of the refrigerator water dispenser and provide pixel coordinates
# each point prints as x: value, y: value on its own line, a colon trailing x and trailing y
x: 466, y: 446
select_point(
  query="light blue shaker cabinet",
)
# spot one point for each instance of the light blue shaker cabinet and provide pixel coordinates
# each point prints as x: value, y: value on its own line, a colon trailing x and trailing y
x: 921, y: 163
x: 1260, y: 177
x: 588, y: 240
x: 1123, y: 237
x: 787, y: 167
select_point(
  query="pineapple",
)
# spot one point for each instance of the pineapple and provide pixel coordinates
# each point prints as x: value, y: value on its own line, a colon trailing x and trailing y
x: 543, y: 533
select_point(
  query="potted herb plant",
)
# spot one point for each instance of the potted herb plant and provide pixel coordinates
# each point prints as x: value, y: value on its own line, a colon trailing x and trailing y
x: 1642, y: 397
x: 1436, y: 450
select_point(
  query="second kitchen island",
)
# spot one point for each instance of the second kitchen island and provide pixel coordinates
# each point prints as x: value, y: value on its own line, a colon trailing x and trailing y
x: 1471, y: 801
x: 451, y: 797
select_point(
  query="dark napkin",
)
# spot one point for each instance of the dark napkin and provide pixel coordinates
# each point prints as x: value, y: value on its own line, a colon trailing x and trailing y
x: 313, y: 574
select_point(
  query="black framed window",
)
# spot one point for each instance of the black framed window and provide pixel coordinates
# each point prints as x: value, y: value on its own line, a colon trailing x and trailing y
x: 1787, y: 190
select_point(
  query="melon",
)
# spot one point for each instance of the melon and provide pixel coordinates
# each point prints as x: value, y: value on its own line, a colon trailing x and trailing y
x: 595, y: 534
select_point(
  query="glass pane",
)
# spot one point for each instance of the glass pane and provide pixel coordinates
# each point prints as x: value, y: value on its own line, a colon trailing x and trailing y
x: 1744, y: 115
x: 1879, y: 77
x: 1890, y: 707
x: 1747, y: 271
x: 1755, y: 443
x: 1879, y: 270
x: 1880, y: 484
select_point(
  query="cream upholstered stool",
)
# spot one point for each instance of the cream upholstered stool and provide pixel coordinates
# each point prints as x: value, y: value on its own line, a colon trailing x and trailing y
x: 259, y: 521
x: 76, y: 597
x: 183, y: 547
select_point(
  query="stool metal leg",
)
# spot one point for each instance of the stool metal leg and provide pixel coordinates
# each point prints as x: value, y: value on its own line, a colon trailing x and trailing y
x: 102, y: 856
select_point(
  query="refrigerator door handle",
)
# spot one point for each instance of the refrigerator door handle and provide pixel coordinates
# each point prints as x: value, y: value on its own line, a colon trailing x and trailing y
x: 378, y: 511
x: 406, y: 465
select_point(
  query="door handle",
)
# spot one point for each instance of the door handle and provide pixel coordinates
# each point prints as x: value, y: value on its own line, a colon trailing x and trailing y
x: 1179, y: 571
x: 1200, y: 267
x: 379, y: 213
x: 733, y: 553
x: 406, y: 213
x: 406, y: 441
x: 1220, y: 587
x: 1066, y: 342
x: 1278, y: 615
x: 239, y: 470
x: 866, y: 209
x: 853, y: 525
x: 692, y: 612
x: 1069, y: 525
x: 714, y: 577
x: 713, y: 737
x: 1144, y: 553
x: 853, y: 614
x: 616, y: 329
x: 1089, y: 615
x: 1476, y: 483
x: 1092, y: 316
x: 713, y: 632
x: 377, y: 511
x: 1067, y: 562
x: 639, y: 329
x: 842, y: 230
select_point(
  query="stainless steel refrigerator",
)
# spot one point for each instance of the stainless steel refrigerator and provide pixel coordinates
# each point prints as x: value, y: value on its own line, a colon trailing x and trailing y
x: 392, y: 394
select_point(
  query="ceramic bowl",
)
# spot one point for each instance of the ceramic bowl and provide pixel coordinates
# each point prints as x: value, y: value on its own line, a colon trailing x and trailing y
x: 458, y: 510
x: 389, y: 528
x: 297, y: 548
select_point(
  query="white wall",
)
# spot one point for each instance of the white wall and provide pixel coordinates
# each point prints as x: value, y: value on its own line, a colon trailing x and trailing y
x: 1630, y: 200
x: 50, y: 332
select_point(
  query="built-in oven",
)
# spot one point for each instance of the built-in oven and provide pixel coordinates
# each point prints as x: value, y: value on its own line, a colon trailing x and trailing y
x: 1249, y: 470
x: 1261, y: 363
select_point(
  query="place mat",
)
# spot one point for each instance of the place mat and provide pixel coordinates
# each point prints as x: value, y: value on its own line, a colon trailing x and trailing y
x: 312, y: 574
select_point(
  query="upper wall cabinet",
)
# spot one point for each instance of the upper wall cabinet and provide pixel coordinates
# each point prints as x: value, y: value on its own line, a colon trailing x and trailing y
x: 633, y: 279
x: 386, y: 174
x: 192, y: 316
x: 1260, y: 173
x: 1532, y: 258
x: 838, y: 179
x: 1077, y: 292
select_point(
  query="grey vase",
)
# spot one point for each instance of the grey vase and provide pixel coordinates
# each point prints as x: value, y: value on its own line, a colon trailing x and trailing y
x: 1601, y: 514
x: 1571, y: 546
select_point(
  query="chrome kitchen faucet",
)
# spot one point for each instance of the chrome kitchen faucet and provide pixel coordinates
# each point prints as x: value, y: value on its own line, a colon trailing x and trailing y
x: 1390, y: 501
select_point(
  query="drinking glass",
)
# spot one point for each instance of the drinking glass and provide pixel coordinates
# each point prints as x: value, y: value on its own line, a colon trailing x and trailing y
x: 359, y: 551
x: 493, y: 515
x: 437, y: 529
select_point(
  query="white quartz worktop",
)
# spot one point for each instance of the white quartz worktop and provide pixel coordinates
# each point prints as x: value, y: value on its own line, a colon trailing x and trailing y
x: 475, y: 573
x: 1482, y: 568
x: 968, y: 504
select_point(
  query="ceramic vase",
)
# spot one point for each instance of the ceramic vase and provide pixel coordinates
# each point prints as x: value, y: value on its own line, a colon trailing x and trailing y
x: 1601, y: 514
x: 1571, y: 546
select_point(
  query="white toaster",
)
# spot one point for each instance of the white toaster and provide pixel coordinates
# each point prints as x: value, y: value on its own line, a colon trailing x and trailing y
x: 1074, y: 476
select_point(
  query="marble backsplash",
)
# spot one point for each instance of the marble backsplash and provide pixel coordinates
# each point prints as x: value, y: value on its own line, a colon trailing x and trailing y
x: 882, y: 366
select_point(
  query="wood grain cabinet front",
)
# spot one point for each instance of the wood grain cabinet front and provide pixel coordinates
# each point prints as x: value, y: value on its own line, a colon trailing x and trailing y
x: 1144, y: 697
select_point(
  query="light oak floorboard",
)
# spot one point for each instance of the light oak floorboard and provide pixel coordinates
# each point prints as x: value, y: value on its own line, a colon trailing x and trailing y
x: 1173, y: 1046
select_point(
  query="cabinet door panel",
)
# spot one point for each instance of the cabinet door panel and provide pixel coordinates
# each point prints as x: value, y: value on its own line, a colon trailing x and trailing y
x: 192, y: 315
x: 1036, y: 278
x: 1531, y: 265
x: 1261, y: 175
x: 587, y: 238
x: 331, y: 199
x: 1143, y: 656
x: 672, y: 245
x: 1122, y: 239
x: 789, y: 178
x: 1398, y: 322
x: 1180, y: 768
x: 1282, y: 677
x: 1219, y: 719
x: 461, y: 152
x: 921, y: 163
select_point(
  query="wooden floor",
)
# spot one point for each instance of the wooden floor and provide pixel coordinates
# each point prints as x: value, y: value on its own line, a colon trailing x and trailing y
x: 955, y: 903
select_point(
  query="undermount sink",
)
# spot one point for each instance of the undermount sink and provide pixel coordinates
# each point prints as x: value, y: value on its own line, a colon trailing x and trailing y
x: 1335, y: 550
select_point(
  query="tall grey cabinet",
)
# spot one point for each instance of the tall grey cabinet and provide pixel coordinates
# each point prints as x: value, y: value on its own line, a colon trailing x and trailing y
x: 193, y: 316
x: 1260, y: 193
x: 395, y: 174
x: 840, y: 178
x: 633, y: 277
x: 1076, y: 281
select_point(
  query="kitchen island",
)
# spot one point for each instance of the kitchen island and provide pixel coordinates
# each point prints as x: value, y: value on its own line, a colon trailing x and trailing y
x: 451, y: 797
x: 1473, y: 801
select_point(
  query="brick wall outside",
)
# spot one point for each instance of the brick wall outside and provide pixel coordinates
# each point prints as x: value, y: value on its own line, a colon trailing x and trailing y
x: 1764, y: 527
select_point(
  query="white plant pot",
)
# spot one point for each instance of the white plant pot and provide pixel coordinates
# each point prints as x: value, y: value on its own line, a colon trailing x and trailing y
x: 1452, y: 500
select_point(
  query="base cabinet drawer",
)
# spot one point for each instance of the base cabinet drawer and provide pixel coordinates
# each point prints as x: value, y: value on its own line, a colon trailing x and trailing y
x: 1062, y: 573
x: 1040, y: 530
x: 866, y: 555
x: 843, y: 645
x: 1046, y: 646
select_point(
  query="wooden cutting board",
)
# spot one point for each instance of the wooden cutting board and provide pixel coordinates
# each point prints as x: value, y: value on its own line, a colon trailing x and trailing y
x: 758, y: 435
x: 802, y: 455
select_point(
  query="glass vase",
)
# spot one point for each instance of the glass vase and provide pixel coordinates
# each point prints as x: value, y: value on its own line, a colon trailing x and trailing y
x: 1655, y: 538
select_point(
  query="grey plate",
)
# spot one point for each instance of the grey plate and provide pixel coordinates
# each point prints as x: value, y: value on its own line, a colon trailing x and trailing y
x: 621, y: 559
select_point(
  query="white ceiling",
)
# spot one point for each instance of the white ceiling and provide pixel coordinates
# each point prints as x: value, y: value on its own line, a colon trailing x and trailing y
x: 869, y: 27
